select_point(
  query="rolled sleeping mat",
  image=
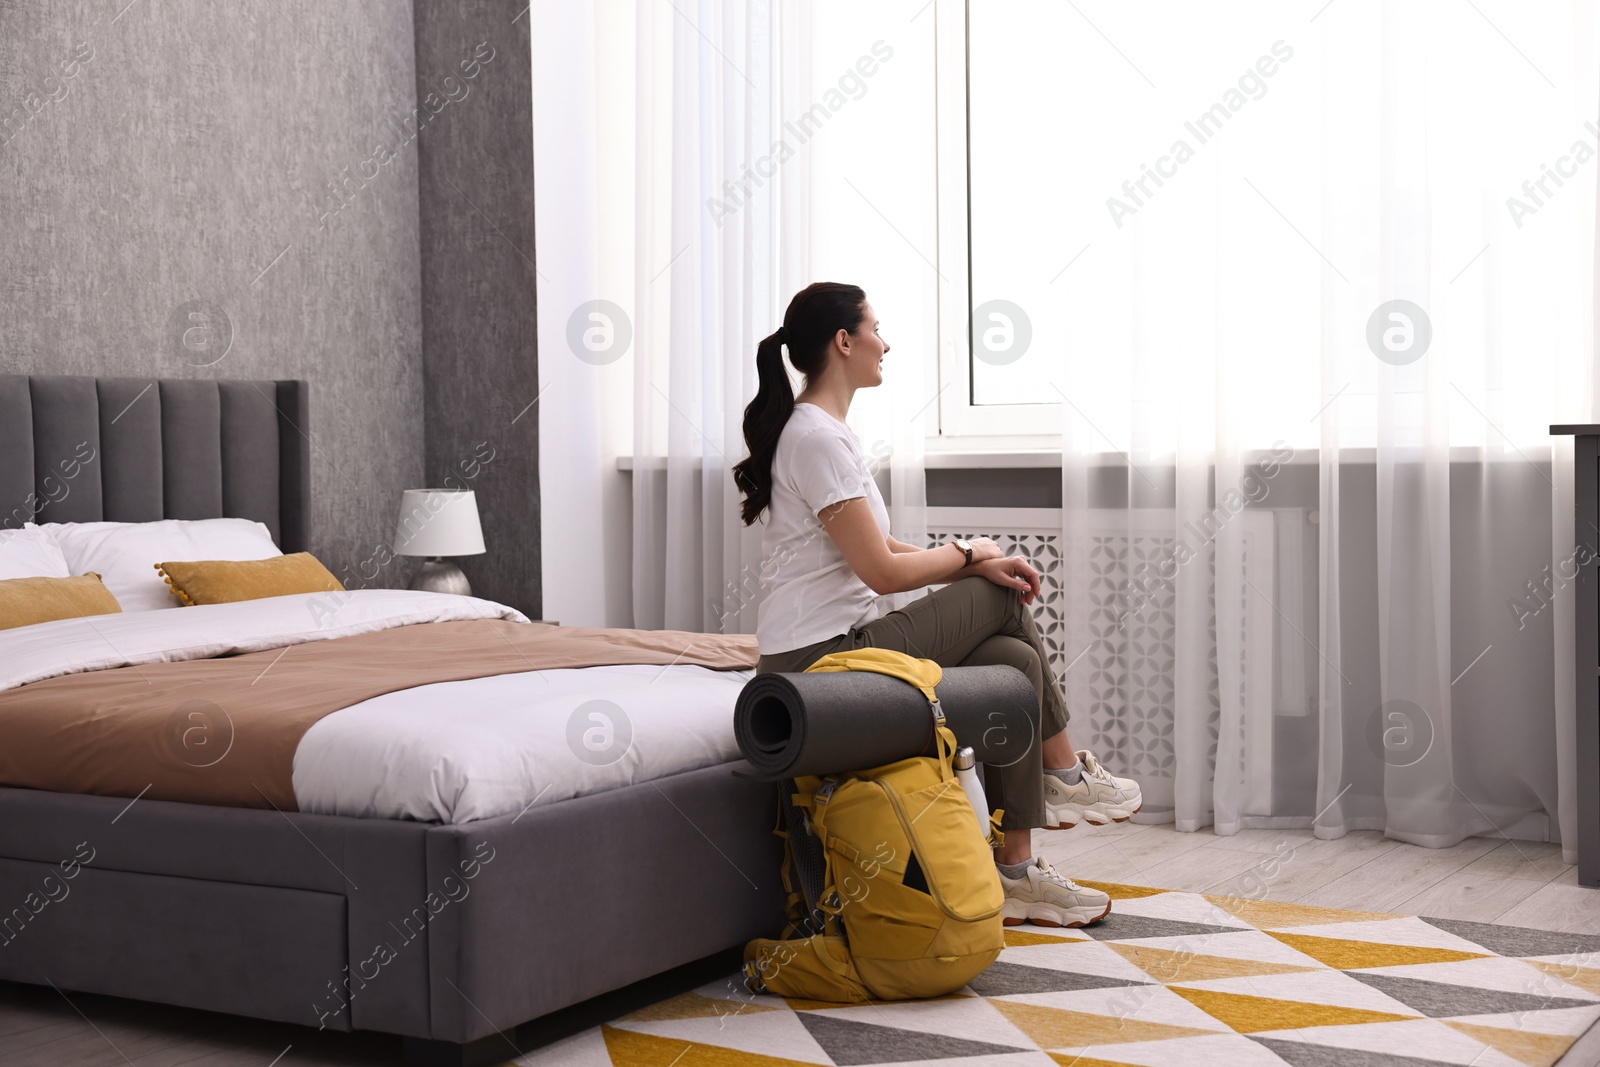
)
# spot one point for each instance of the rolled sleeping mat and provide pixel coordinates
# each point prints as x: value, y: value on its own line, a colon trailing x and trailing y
x: 826, y: 722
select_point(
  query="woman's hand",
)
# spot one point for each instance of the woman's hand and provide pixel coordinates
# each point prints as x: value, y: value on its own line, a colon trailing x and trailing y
x: 983, y: 548
x: 1010, y: 572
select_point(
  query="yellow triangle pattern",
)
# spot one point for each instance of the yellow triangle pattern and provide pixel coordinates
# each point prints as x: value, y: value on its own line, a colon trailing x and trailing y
x: 1251, y: 1015
x: 629, y: 1048
x: 1063, y: 1028
x: 1118, y: 891
x: 1072, y: 1059
x: 1537, y: 1050
x: 1357, y: 955
x: 1167, y: 965
x: 1264, y: 914
x: 694, y: 1006
x: 802, y: 1004
x: 1585, y: 978
x: 1018, y: 938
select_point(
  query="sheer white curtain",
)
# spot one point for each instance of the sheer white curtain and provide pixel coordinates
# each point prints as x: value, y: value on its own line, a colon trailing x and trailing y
x: 708, y: 231
x: 1361, y: 663
x: 692, y: 160
x: 751, y: 129
x: 871, y: 200
x: 1306, y: 529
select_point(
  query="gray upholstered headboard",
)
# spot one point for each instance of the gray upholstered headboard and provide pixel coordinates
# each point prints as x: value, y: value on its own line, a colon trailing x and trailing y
x: 76, y: 449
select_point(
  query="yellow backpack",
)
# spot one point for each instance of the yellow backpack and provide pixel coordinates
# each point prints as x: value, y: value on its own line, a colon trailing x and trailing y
x: 910, y: 904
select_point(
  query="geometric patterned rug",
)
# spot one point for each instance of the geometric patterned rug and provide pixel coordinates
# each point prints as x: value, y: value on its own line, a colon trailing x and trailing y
x: 1170, y: 979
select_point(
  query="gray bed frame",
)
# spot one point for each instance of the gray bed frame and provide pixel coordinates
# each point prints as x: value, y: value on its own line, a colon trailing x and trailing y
x: 450, y: 936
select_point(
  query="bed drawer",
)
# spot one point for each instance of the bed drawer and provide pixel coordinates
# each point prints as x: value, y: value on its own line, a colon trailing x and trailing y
x: 253, y: 950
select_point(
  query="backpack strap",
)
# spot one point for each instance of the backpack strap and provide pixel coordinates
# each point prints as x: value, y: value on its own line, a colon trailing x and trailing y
x: 997, y: 836
x: 947, y: 750
x: 793, y: 804
x: 806, y: 915
x: 793, y: 901
x: 829, y: 904
x: 840, y: 967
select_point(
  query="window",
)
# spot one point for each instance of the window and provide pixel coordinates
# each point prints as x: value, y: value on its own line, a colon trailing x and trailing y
x: 1156, y: 209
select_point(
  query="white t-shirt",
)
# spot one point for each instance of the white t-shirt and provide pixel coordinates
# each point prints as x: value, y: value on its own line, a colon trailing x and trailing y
x: 812, y: 592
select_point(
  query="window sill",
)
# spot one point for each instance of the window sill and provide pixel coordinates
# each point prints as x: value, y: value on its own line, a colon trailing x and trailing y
x: 964, y: 453
x: 946, y: 453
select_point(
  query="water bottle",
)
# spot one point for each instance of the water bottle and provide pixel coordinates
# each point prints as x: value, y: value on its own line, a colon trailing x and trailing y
x: 967, y: 775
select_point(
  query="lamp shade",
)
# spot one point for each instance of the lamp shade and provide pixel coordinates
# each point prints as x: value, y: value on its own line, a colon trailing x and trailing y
x: 438, y: 522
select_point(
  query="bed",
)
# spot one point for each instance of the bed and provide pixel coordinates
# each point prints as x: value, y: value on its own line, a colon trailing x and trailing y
x: 443, y: 898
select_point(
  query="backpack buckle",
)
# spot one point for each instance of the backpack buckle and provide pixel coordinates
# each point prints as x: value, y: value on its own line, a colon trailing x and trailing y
x: 822, y: 794
x: 938, y: 712
x: 752, y: 977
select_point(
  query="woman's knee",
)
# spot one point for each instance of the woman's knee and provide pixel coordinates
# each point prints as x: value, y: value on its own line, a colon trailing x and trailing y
x: 1029, y: 663
x: 994, y: 601
x: 1009, y: 652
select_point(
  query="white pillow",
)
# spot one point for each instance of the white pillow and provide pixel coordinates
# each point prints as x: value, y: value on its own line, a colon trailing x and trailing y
x: 125, y: 554
x: 31, y: 553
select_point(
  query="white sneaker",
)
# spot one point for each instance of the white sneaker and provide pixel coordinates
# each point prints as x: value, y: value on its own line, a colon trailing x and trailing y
x: 1046, y: 897
x: 1098, y: 798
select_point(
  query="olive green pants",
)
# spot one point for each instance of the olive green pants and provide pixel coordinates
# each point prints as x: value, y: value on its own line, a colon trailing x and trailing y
x: 967, y: 623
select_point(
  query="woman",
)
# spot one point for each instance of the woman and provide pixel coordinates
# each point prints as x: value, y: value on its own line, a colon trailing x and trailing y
x: 805, y: 467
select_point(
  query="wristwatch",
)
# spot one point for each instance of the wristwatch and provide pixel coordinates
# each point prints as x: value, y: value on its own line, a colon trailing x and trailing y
x: 966, y: 546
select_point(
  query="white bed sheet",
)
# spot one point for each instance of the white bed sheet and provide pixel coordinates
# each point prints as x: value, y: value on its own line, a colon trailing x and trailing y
x: 458, y: 751
x: 449, y: 752
x: 100, y: 642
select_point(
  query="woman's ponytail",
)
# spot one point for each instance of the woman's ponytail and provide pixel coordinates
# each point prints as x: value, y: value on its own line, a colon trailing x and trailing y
x: 813, y: 316
x: 764, y: 420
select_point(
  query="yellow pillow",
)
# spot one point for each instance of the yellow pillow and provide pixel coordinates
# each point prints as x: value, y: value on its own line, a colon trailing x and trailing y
x: 224, y: 581
x: 25, y: 601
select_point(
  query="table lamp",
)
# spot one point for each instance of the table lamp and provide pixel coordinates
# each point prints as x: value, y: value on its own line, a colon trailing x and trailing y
x: 436, y: 523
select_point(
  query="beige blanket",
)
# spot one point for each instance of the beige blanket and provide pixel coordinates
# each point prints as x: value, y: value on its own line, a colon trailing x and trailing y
x: 224, y: 731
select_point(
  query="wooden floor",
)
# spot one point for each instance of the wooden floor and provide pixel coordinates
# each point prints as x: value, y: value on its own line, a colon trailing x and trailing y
x: 1483, y: 880
x: 1521, y: 883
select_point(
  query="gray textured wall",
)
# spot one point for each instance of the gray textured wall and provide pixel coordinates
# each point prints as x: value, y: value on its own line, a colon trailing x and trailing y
x: 480, y: 332
x: 224, y: 151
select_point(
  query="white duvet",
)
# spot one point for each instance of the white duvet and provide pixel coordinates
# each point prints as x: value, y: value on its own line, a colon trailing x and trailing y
x: 450, y: 752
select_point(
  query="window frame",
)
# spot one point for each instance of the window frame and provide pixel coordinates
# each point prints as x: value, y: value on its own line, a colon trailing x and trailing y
x: 962, y: 423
